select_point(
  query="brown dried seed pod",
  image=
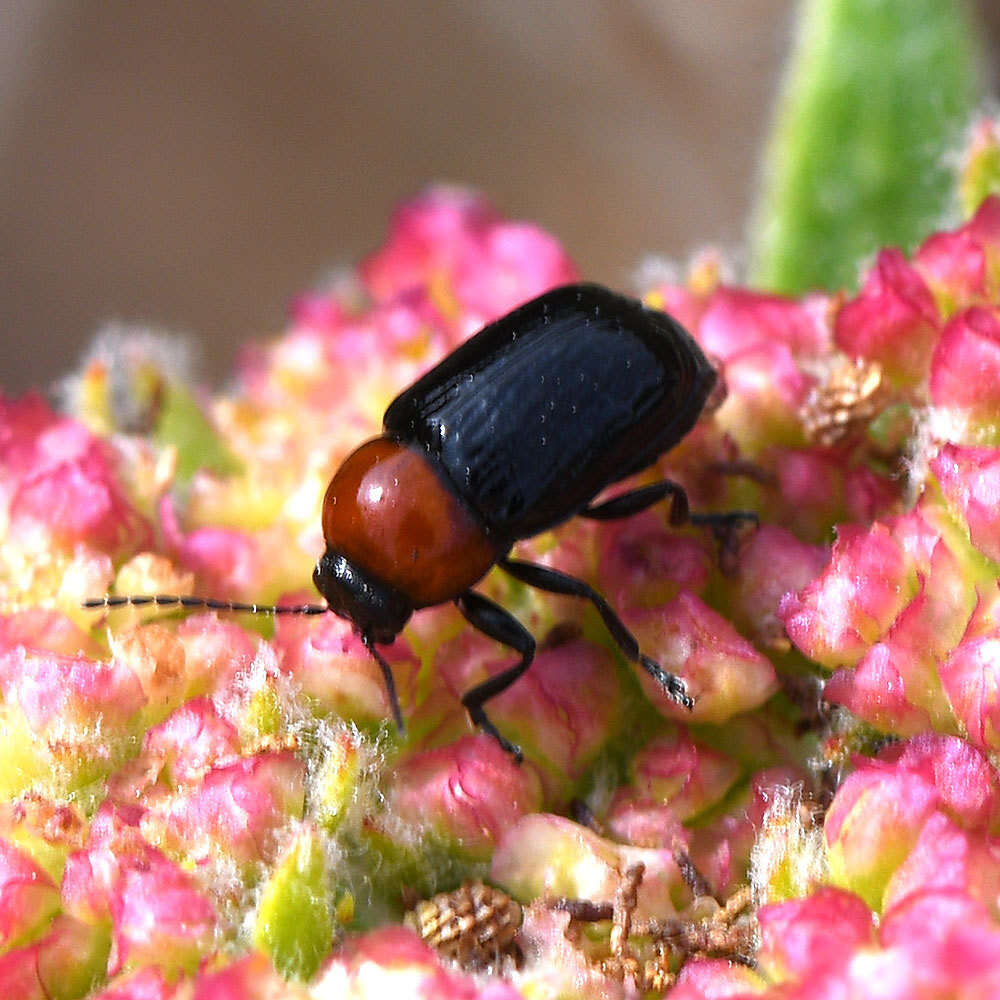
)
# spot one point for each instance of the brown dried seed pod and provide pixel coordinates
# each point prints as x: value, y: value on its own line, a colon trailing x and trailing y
x: 626, y: 900
x: 850, y: 397
x: 474, y: 925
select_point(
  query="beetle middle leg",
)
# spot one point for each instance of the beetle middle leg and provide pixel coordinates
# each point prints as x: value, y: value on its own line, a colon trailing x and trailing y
x: 560, y: 583
x: 494, y: 621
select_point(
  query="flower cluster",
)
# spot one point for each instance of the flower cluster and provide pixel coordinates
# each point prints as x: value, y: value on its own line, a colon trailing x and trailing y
x: 207, y: 806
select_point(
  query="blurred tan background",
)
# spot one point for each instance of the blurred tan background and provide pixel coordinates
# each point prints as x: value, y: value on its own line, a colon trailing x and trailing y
x: 196, y: 165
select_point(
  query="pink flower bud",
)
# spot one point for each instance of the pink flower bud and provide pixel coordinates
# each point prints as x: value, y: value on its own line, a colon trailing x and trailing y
x: 177, y: 753
x: 723, y: 672
x: 962, y: 266
x: 893, y: 320
x: 737, y: 320
x: 869, y: 580
x: 896, y: 686
x: 645, y: 564
x: 946, y: 856
x: 644, y: 821
x: 148, y: 983
x: 58, y: 484
x: 216, y: 651
x: 251, y: 977
x: 191, y: 741
x: 393, y: 961
x: 690, y: 777
x: 236, y: 810
x: 453, y: 241
x: 67, y: 962
x: 773, y: 562
x: 969, y: 788
x: 158, y: 913
x: 160, y: 916
x: 716, y: 979
x: 73, y: 716
x: 970, y: 481
x: 875, y: 691
x: 227, y: 560
x: 469, y: 792
x: 879, y: 812
x: 971, y: 679
x: 551, y: 856
x: 685, y: 302
x: 810, y: 489
x: 561, y: 712
x: 328, y: 659
x: 869, y: 494
x: 427, y: 235
x: 942, y: 943
x: 46, y: 629
x: 965, y: 377
x: 514, y: 262
x: 803, y: 938
x: 28, y: 897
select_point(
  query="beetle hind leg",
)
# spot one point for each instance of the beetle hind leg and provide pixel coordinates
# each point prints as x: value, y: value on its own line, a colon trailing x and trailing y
x: 640, y: 499
x: 501, y: 625
x: 726, y: 528
x: 728, y: 531
x: 560, y: 583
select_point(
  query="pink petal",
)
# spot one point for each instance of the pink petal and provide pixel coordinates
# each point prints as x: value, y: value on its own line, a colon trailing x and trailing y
x: 893, y: 320
x: 737, y: 319
x: 28, y: 896
x: 965, y: 370
x: 970, y: 480
x: 802, y: 938
x: 470, y: 792
x: 723, y: 672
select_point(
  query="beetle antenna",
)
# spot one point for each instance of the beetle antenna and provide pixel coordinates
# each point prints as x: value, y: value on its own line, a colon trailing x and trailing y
x: 183, y: 601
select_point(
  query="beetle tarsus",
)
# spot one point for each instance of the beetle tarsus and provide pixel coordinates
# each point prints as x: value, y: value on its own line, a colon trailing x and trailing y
x: 728, y: 531
x: 673, y: 686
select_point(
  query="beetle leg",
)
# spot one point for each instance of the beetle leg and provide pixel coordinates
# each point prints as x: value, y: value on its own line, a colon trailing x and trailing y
x: 725, y: 529
x: 559, y: 583
x: 390, y: 684
x: 494, y: 621
x: 638, y: 500
x: 724, y: 523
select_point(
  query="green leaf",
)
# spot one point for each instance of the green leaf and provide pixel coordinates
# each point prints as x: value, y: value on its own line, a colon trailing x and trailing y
x: 182, y: 423
x: 876, y: 93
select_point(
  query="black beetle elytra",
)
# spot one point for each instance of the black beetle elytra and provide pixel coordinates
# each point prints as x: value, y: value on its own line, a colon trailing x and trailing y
x: 513, y: 433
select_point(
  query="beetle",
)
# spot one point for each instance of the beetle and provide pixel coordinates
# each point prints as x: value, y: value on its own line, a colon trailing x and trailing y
x: 516, y: 431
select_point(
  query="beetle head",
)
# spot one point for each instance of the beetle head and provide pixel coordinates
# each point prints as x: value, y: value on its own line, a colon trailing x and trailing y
x: 375, y: 609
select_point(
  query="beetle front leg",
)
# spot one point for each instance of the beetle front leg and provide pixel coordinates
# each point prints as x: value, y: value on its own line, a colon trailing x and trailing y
x: 560, y: 583
x: 390, y: 684
x: 494, y: 621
